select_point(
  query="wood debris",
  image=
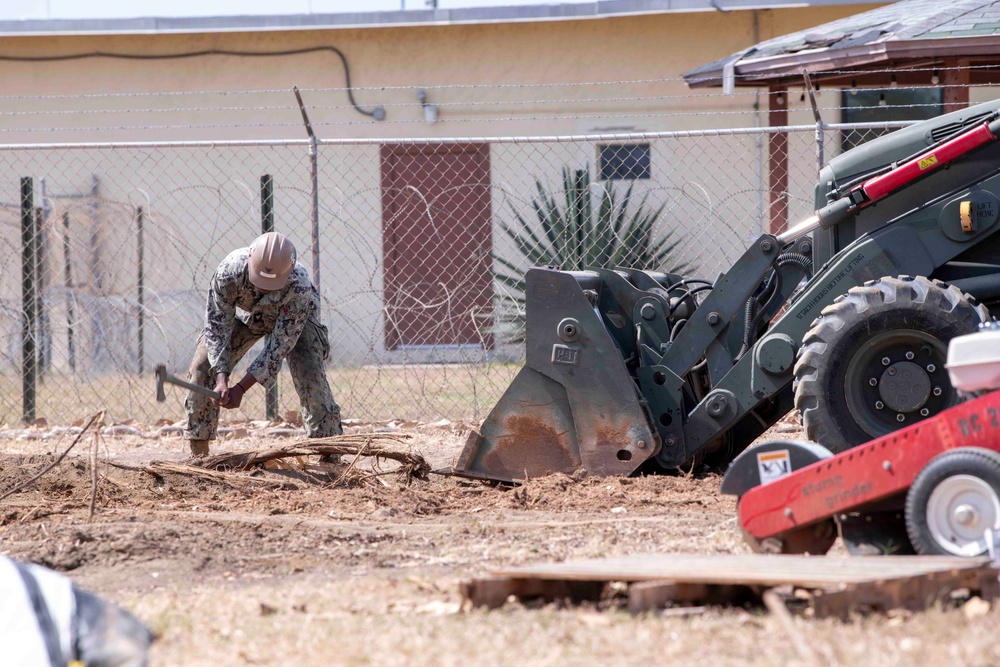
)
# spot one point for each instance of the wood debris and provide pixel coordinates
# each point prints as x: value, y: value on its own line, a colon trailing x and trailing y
x: 231, y: 468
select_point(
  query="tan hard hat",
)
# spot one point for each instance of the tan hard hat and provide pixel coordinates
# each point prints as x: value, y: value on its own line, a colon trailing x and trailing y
x: 272, y: 258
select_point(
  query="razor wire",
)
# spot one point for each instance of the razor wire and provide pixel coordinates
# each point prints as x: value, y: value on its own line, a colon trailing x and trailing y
x: 422, y: 244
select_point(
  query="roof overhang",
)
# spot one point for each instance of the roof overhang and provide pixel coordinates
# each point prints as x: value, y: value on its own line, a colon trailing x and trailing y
x: 391, y: 19
x: 775, y: 70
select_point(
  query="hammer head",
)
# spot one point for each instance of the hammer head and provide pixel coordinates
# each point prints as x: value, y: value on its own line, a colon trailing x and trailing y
x: 161, y: 374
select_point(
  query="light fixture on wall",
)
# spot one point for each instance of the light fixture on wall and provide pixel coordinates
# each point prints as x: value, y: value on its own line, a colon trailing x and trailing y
x: 881, y: 99
x: 430, y: 110
x: 854, y: 86
x: 892, y: 82
x: 935, y: 79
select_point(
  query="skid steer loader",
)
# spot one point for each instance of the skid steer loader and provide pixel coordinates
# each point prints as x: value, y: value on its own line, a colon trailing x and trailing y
x: 629, y: 370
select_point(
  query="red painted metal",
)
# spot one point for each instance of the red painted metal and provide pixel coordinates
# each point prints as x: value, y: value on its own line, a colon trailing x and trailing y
x: 879, y: 469
x: 880, y: 187
x: 436, y: 243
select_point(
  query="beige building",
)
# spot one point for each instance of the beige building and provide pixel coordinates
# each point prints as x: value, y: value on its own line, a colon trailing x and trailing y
x: 450, y: 121
x: 533, y: 65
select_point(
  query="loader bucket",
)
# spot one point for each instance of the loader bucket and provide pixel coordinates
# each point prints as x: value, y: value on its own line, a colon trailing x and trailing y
x: 573, y: 405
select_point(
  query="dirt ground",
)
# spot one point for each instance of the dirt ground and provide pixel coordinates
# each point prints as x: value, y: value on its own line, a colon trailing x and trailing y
x: 310, y: 574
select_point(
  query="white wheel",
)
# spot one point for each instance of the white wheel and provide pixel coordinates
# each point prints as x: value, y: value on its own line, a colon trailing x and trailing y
x: 953, y: 501
x: 959, y: 510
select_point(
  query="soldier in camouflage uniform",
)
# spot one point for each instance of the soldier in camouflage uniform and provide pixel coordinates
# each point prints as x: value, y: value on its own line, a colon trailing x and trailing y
x: 261, y: 292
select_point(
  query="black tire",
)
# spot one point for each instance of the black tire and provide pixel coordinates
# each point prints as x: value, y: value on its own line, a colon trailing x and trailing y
x: 961, y: 480
x: 845, y: 393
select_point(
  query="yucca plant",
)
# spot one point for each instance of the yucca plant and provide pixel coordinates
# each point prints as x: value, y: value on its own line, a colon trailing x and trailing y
x: 583, y: 230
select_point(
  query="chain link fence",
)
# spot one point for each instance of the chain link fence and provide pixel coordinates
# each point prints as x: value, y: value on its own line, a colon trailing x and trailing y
x: 419, y: 248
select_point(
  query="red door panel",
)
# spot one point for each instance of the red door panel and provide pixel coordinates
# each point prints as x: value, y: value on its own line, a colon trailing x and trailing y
x: 437, y: 243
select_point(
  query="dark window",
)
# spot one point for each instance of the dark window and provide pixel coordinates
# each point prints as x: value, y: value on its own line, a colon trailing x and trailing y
x: 878, y: 106
x: 624, y: 161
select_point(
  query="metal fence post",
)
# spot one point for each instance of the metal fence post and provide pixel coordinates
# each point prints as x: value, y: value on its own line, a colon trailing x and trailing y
x: 314, y: 185
x: 28, y: 305
x: 70, y: 297
x: 314, y: 173
x: 820, y: 125
x: 267, y: 225
x: 42, y: 354
x: 140, y: 289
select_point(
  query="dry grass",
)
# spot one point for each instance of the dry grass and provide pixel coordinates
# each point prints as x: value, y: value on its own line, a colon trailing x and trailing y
x: 417, y: 392
x: 411, y: 621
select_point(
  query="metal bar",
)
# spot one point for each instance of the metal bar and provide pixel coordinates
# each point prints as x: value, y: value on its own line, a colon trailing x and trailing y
x: 820, y: 147
x: 630, y: 136
x: 39, y: 314
x: 141, y: 291
x: 95, y: 235
x: 314, y: 185
x: 98, y: 314
x: 314, y: 175
x: 28, y: 361
x: 44, y: 249
x: 777, y: 153
x: 819, y: 121
x: 934, y: 158
x: 70, y: 295
x: 305, y: 116
x: 758, y: 141
x: 267, y: 225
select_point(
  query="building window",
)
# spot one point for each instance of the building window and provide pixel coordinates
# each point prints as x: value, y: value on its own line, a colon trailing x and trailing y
x: 623, y: 161
x: 878, y: 106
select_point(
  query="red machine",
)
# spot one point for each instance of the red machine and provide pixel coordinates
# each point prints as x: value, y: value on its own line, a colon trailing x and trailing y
x: 932, y: 488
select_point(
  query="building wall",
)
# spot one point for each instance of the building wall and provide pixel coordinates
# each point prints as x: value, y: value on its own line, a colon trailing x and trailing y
x: 488, y: 80
x: 401, y: 60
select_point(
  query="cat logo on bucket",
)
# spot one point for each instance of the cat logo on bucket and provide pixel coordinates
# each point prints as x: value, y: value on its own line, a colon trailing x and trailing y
x: 772, y: 465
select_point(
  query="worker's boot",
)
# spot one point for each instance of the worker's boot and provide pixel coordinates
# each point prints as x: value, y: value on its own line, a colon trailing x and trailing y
x: 199, y: 447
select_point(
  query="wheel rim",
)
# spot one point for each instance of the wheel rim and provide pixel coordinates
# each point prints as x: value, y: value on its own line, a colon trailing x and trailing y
x: 897, y: 379
x: 959, y: 511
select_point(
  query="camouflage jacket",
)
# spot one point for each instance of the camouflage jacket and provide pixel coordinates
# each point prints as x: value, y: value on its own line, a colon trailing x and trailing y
x: 279, y: 316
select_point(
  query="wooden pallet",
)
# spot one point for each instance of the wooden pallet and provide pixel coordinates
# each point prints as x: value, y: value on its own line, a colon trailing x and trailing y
x: 836, y: 586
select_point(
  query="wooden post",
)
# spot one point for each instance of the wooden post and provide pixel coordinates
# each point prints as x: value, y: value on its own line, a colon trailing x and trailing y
x: 956, y: 84
x: 777, y: 145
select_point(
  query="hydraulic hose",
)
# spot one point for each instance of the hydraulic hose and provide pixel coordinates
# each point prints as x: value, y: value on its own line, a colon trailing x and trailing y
x: 772, y: 288
x: 688, y: 294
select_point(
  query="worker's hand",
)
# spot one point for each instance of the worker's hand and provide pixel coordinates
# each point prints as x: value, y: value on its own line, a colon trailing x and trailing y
x: 233, y: 397
x: 222, y: 387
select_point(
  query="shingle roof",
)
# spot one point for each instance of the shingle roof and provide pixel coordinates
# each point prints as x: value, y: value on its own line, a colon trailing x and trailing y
x: 877, y: 30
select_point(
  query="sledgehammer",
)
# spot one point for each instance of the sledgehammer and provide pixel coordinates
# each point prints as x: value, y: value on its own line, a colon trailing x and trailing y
x: 163, y: 376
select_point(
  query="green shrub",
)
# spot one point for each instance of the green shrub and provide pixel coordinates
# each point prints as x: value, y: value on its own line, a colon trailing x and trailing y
x: 576, y: 229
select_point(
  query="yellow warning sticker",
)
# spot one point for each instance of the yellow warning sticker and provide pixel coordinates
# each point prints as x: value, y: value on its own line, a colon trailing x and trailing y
x: 927, y: 162
x: 965, y: 214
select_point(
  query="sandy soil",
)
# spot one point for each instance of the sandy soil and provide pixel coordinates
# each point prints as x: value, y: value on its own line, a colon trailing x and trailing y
x: 254, y: 574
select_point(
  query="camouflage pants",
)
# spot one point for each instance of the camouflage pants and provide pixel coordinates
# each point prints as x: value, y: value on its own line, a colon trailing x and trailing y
x: 320, y: 412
